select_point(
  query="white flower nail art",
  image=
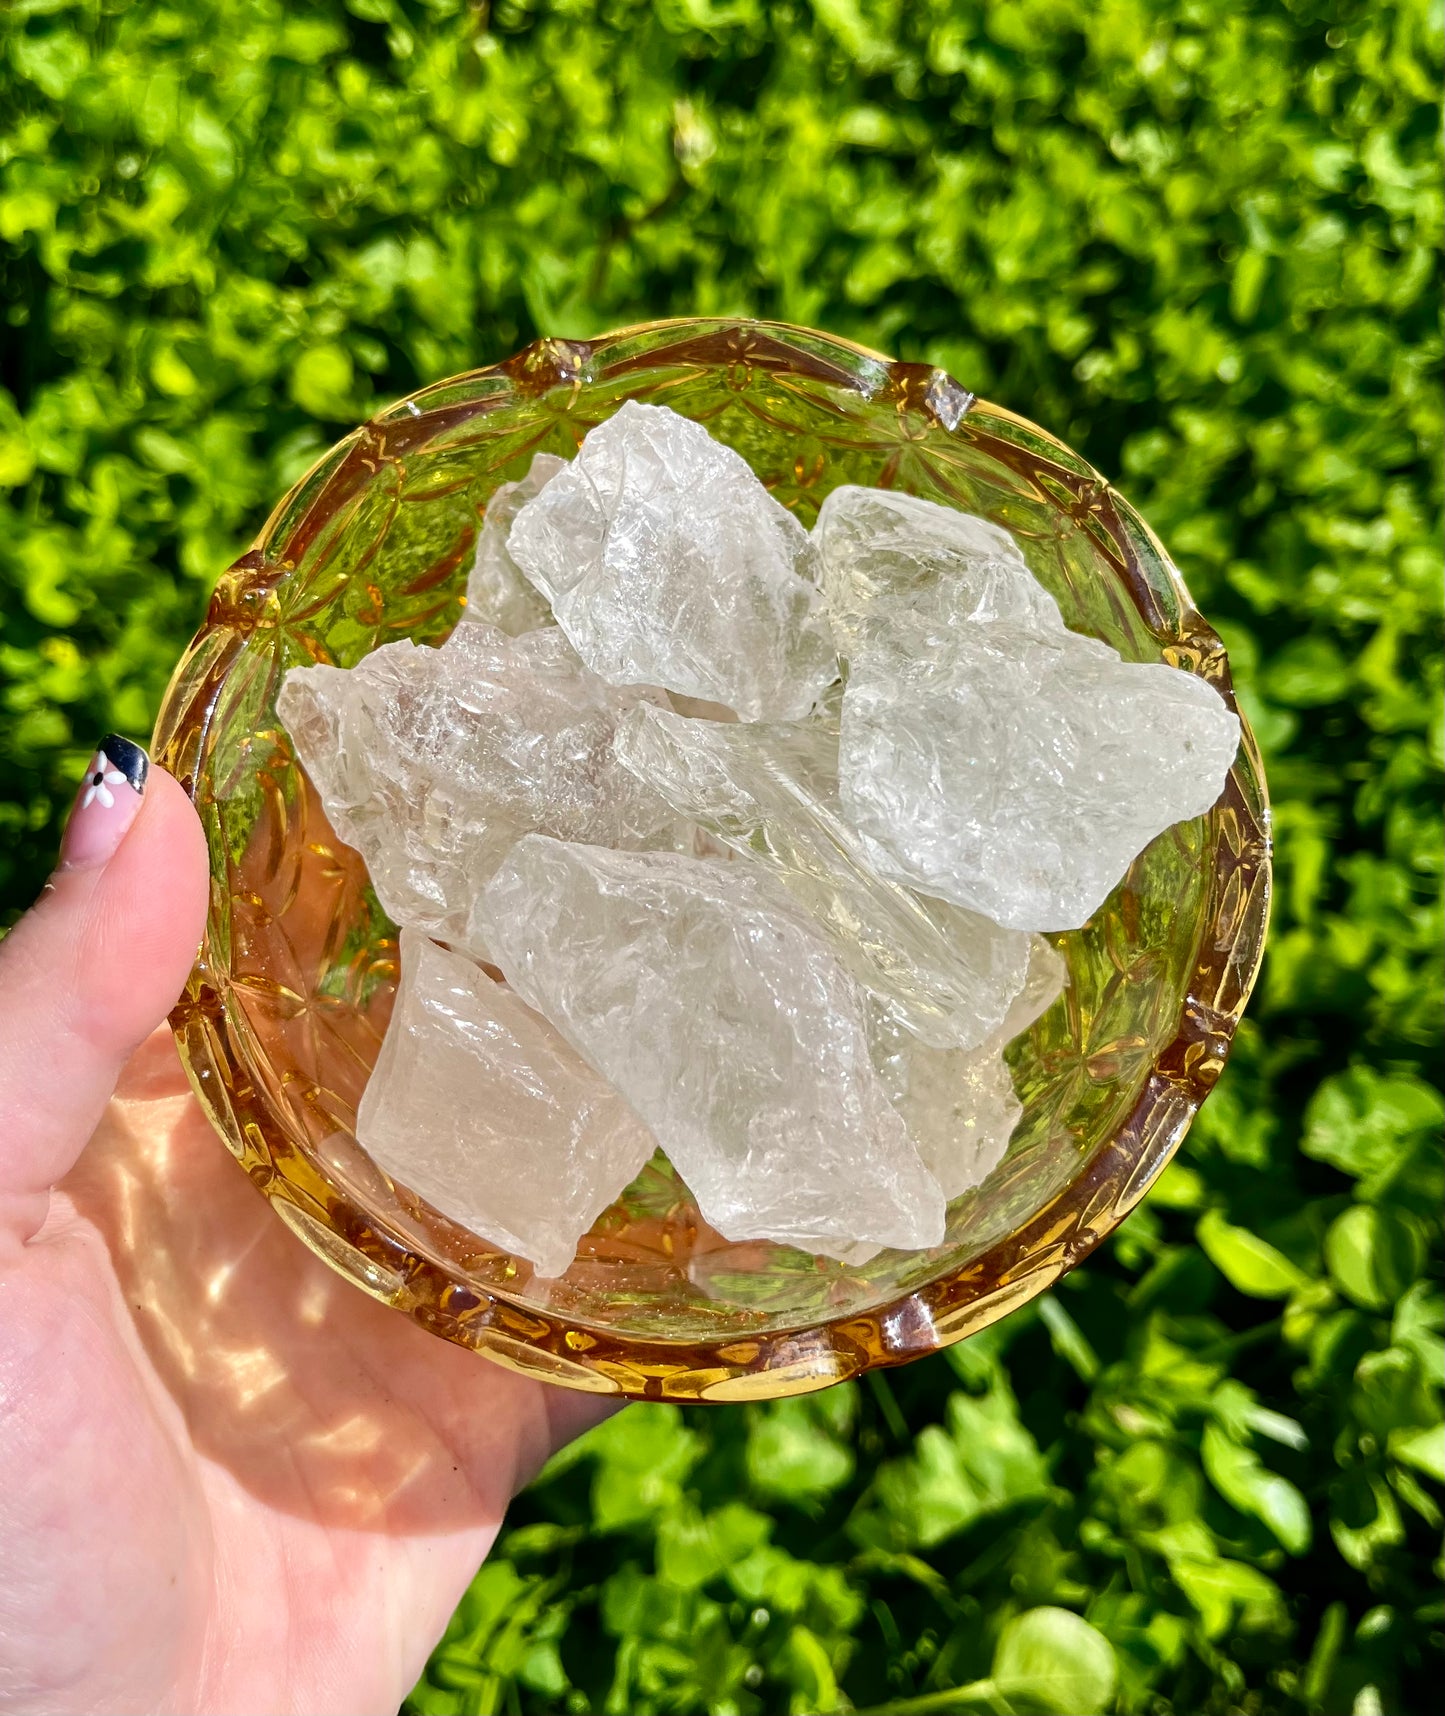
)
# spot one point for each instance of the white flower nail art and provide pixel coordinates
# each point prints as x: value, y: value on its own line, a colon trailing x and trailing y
x: 100, y: 778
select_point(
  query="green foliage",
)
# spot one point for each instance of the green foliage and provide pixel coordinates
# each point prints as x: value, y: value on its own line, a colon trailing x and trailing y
x: 1197, y: 238
x: 1049, y: 1659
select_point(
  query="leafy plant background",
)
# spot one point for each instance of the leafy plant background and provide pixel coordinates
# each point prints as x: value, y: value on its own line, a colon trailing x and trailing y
x: 1197, y: 238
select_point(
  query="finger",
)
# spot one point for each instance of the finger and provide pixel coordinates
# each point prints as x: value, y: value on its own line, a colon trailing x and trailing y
x: 92, y: 968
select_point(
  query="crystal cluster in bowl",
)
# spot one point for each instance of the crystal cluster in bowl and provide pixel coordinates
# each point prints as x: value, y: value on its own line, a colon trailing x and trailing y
x: 781, y: 929
x: 288, y: 1012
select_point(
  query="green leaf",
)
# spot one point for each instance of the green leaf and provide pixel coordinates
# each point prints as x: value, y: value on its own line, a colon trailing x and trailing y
x: 641, y: 1458
x: 1228, y: 1594
x: 1055, y: 1661
x: 1308, y: 672
x: 796, y: 1452
x: 1364, y: 1520
x: 1373, y: 1255
x: 541, y: 1669
x: 1423, y: 1449
x: 694, y: 1548
x: 1418, y: 1321
x: 1315, y: 1681
x: 1237, y: 1409
x: 1393, y: 1392
x: 321, y: 382
x: 1247, y: 1483
x: 17, y: 458
x: 985, y: 1461
x: 1067, y: 1338
x: 925, y: 1498
x: 1246, y: 1261
x: 814, y: 1681
x: 1360, y: 1122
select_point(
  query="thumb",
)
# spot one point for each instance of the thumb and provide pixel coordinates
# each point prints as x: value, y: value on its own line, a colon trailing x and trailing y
x: 92, y: 969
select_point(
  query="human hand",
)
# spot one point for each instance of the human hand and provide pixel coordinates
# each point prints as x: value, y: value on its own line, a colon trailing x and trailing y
x: 229, y: 1482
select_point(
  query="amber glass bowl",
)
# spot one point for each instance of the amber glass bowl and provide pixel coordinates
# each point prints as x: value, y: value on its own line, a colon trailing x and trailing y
x: 284, y: 1014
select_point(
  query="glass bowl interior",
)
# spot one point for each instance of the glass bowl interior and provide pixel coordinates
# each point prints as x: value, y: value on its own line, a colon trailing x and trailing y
x: 285, y: 1012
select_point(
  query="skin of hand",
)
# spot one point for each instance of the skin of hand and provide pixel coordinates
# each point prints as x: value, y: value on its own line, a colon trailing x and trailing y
x: 229, y: 1481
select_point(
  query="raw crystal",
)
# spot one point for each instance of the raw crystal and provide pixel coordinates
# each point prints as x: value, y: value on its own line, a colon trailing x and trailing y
x: 1046, y: 979
x: 720, y: 921
x: 667, y: 562
x: 478, y: 1105
x: 1018, y: 771
x: 959, y: 1105
x: 432, y: 762
x: 496, y: 591
x: 712, y: 1004
x: 878, y: 553
x: 770, y: 791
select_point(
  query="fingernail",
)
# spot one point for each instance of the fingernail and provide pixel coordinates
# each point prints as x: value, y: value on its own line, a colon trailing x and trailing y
x: 106, y: 805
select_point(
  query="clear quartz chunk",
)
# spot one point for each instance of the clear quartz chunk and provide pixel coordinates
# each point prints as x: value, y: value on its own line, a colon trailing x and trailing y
x: 712, y: 1004
x: 1017, y: 770
x: 878, y: 553
x: 959, y: 1105
x: 793, y: 951
x: 667, y: 562
x: 481, y: 1107
x: 432, y: 762
x: 497, y: 593
x: 770, y: 791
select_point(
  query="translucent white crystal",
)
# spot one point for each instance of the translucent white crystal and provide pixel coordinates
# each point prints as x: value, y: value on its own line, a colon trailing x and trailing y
x: 959, y: 1105
x: 1044, y: 982
x: 877, y: 553
x: 496, y: 591
x: 712, y: 1004
x: 432, y: 762
x: 1018, y: 771
x: 667, y: 562
x: 481, y: 1107
x: 770, y: 791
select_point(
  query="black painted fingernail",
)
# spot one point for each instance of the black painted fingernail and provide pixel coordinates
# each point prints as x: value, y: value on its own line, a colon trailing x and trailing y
x: 128, y: 757
x: 107, y: 803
